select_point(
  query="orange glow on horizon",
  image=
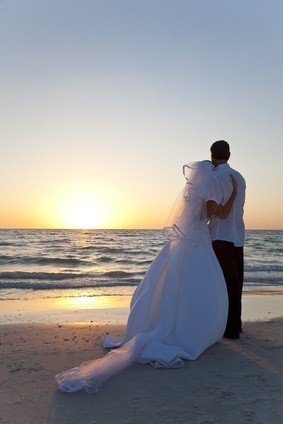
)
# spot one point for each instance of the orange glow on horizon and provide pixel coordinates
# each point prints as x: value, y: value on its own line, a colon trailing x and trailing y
x: 81, y: 205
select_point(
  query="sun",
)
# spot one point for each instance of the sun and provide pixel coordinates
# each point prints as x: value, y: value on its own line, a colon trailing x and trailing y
x: 83, y: 213
x: 77, y: 205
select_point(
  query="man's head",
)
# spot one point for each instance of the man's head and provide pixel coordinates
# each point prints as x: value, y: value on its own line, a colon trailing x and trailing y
x: 220, y: 152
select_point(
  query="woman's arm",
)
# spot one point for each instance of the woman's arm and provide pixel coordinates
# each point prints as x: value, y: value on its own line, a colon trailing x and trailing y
x: 222, y: 211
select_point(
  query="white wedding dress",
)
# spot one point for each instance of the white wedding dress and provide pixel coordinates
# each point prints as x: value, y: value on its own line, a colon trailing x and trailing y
x: 180, y: 307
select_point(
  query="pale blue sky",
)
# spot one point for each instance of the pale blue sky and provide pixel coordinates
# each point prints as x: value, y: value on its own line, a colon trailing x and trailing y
x: 121, y: 93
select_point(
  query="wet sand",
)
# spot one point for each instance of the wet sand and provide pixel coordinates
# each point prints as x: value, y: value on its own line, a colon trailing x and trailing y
x: 100, y: 309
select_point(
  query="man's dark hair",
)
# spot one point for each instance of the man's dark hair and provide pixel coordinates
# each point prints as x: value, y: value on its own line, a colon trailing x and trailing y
x: 220, y: 150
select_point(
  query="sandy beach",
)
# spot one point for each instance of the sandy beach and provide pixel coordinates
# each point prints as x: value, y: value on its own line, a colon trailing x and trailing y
x: 232, y: 382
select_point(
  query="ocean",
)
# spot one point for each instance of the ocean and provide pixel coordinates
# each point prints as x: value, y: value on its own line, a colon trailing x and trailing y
x: 109, y: 262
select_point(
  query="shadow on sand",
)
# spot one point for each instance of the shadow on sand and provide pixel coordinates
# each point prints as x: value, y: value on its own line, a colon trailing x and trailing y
x: 232, y: 382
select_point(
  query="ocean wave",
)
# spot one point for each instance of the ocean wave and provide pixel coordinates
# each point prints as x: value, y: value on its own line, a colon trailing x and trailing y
x: 145, y: 262
x: 102, y: 249
x: 21, y: 275
x: 112, y: 258
x: 264, y: 268
x: 56, y: 276
x: 121, y: 274
x: 6, y: 259
x: 45, y: 285
x: 54, y: 240
x: 104, y: 259
x: 134, y: 251
x: 259, y: 281
x: 133, y: 262
x: 109, y: 250
x: 131, y: 282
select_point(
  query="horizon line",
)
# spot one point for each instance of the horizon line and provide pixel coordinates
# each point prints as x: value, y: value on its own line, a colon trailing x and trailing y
x: 104, y: 229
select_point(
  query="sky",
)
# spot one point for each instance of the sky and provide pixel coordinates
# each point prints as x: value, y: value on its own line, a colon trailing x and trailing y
x: 102, y: 102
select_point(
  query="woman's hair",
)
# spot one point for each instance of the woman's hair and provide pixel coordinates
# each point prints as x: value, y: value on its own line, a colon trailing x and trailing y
x: 220, y: 150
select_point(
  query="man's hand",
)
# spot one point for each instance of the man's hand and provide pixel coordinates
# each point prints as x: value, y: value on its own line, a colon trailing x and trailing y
x: 211, y: 208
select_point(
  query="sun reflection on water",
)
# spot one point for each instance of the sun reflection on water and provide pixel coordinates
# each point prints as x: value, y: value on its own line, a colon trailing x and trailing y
x: 92, y: 302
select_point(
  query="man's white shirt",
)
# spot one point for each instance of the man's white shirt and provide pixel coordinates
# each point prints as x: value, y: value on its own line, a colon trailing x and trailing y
x: 232, y: 228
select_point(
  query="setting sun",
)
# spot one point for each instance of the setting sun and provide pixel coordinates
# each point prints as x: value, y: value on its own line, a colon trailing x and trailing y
x: 83, y: 213
x: 77, y: 204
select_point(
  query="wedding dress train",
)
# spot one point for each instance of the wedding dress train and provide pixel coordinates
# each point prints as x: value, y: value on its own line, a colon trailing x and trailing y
x: 180, y: 307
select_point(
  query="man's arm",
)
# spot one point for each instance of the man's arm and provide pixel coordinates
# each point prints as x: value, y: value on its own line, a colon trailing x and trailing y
x: 222, y: 212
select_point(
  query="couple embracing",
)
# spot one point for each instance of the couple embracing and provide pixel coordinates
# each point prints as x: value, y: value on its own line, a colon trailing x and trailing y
x: 190, y: 297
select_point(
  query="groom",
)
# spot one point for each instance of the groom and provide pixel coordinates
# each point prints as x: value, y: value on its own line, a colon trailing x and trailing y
x: 228, y: 235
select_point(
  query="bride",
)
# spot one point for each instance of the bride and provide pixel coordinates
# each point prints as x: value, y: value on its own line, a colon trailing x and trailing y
x: 180, y: 307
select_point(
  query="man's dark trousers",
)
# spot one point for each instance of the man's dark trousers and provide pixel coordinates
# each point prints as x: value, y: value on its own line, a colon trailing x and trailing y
x: 231, y: 259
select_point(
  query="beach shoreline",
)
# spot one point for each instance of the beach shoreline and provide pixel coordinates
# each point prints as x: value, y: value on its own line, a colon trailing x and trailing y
x: 100, y: 309
x: 41, y: 337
